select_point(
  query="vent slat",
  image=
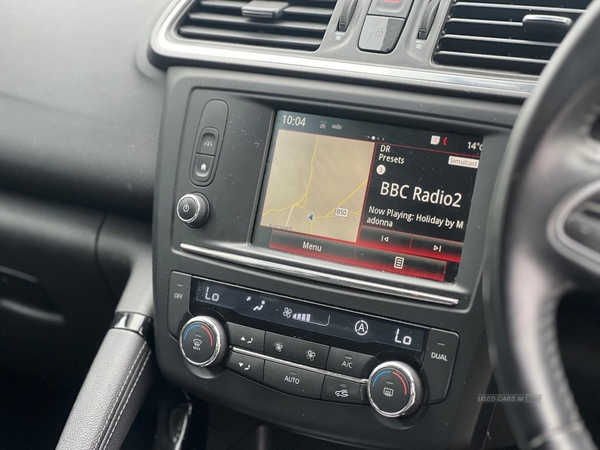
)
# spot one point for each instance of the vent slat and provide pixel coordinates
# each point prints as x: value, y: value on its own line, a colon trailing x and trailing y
x: 308, y: 11
x: 301, y: 26
x: 222, y: 4
x: 511, y: 7
x: 296, y: 42
x: 497, y: 46
x: 523, y: 65
x: 490, y: 34
x: 577, y: 4
x: 214, y: 20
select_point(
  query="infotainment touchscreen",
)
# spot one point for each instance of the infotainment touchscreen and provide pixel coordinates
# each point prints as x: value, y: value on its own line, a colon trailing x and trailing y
x: 380, y: 197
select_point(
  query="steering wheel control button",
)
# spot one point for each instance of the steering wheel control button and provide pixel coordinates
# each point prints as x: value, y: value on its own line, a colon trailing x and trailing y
x: 380, y: 34
x: 246, y: 337
x: 193, y: 209
x: 438, y: 363
x: 207, y: 144
x: 292, y: 380
x: 203, y: 341
x: 248, y: 366
x: 395, y: 389
x: 179, y: 299
x: 296, y: 350
x: 203, y: 166
x: 350, y: 363
x: 343, y: 391
x: 398, y: 8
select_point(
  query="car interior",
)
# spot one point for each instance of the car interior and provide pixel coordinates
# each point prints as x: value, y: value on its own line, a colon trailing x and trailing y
x: 300, y: 224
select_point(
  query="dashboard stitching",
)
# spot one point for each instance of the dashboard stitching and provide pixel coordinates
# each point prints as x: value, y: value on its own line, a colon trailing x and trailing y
x: 110, y: 414
x: 128, y: 397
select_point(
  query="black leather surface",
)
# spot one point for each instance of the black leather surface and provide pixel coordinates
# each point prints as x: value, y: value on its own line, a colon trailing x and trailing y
x: 549, y: 156
x: 112, y: 394
x: 80, y: 105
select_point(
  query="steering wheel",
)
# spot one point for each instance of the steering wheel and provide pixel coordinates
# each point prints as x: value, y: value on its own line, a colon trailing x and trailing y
x: 544, y: 239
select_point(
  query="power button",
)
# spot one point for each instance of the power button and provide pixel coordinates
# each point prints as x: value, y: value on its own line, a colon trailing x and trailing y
x: 193, y: 209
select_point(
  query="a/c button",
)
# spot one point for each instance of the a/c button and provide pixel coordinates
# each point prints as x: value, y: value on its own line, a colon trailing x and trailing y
x: 292, y: 380
x: 350, y: 363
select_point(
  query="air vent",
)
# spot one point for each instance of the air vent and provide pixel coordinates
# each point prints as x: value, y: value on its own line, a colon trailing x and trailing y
x: 298, y: 25
x: 516, y: 36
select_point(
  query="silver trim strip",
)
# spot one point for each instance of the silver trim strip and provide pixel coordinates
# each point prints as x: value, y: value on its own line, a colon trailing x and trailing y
x: 162, y: 45
x: 318, y: 276
x: 298, y: 366
x: 138, y: 323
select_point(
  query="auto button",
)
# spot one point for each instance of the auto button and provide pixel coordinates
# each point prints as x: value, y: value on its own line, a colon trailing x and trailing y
x: 292, y: 380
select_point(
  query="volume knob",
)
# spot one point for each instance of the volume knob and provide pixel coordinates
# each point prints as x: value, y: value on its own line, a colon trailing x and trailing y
x: 395, y: 389
x: 193, y: 209
x: 203, y: 341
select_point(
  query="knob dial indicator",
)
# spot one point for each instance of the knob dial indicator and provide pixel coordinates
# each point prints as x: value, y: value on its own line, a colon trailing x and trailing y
x: 203, y: 341
x: 395, y: 389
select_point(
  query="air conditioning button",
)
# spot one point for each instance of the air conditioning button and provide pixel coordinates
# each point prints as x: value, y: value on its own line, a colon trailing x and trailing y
x: 350, y: 363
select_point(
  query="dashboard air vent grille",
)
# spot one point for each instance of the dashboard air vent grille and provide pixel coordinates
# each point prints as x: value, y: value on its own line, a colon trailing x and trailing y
x: 507, y: 35
x: 293, y: 24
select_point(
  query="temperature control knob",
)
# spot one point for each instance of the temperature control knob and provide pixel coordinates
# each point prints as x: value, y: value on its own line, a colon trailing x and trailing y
x: 203, y: 341
x: 395, y: 389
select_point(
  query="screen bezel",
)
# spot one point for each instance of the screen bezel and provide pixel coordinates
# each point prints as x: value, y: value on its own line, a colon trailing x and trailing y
x: 265, y: 179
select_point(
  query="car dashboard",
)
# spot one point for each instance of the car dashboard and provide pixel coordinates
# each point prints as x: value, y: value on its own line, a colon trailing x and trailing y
x: 312, y: 178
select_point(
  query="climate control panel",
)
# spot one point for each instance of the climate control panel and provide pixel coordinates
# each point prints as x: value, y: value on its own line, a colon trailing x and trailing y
x: 308, y: 350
